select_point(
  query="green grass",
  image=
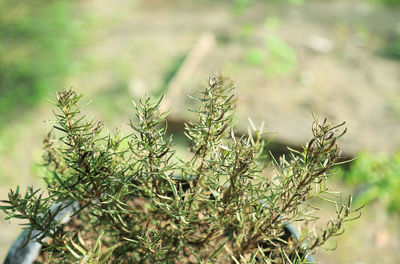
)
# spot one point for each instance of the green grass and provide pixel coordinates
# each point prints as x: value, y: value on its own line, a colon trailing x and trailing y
x: 37, y: 38
x: 377, y: 176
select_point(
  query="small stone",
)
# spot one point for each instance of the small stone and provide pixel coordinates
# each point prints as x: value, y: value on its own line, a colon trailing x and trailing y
x: 320, y: 44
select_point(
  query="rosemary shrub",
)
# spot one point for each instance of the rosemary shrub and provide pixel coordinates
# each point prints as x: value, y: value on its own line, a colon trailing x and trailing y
x: 135, y: 202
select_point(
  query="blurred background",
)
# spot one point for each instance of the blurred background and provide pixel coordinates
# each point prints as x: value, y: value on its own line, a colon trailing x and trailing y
x: 338, y: 59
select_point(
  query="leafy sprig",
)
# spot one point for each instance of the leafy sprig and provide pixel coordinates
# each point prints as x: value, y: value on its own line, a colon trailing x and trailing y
x: 132, y: 201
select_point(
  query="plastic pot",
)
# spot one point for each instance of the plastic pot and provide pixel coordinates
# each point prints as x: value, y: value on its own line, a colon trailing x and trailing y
x: 290, y: 231
x: 28, y: 254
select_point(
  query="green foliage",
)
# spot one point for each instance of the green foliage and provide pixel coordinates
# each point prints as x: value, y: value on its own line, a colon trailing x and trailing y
x: 387, y: 2
x: 241, y: 5
x: 380, y: 176
x: 36, y: 39
x: 277, y: 58
x: 139, y: 203
x: 282, y: 58
x: 392, y: 45
x: 170, y: 74
x: 256, y: 56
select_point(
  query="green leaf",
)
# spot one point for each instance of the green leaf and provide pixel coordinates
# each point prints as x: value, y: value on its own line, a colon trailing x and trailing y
x: 195, y: 255
x: 214, y: 254
x: 76, y: 255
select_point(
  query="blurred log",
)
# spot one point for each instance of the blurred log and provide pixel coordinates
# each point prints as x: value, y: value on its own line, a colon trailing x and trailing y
x: 175, y: 88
